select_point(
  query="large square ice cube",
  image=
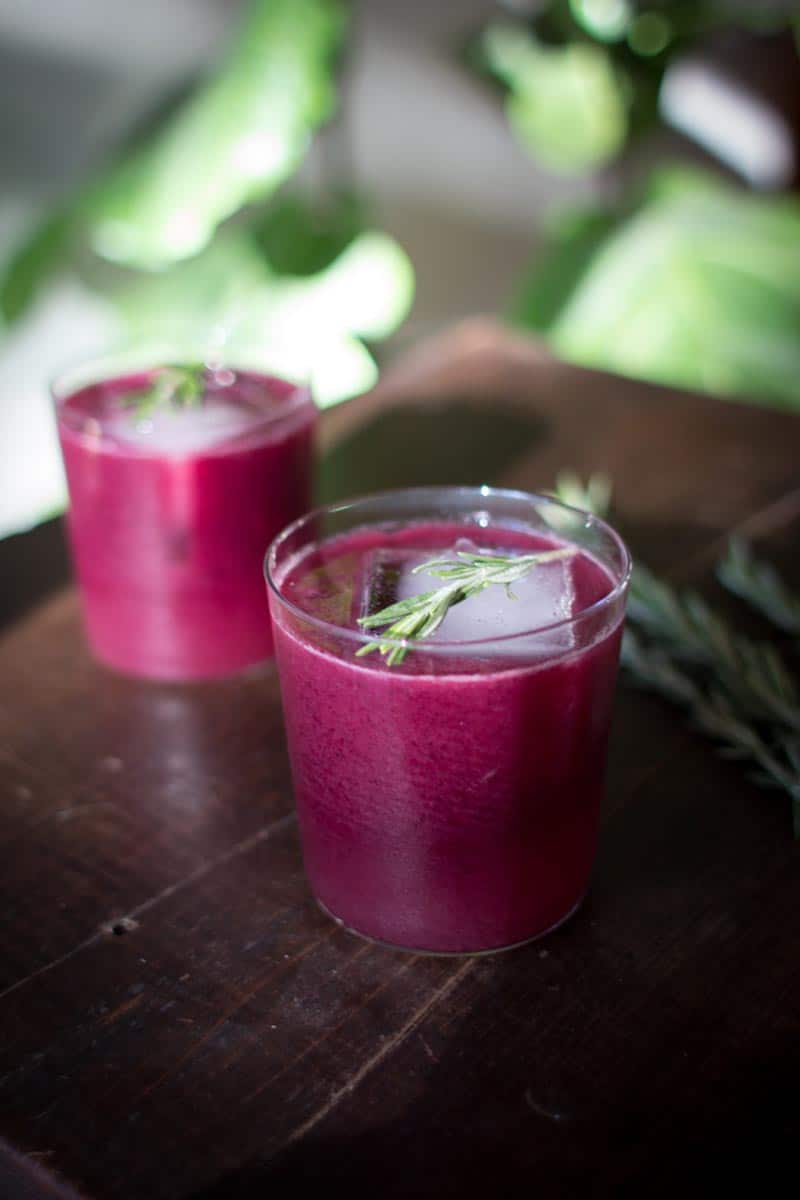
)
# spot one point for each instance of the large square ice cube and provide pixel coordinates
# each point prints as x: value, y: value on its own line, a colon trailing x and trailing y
x: 545, y: 596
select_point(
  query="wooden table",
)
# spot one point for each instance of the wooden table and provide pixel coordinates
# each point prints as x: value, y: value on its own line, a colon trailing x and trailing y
x: 178, y: 1018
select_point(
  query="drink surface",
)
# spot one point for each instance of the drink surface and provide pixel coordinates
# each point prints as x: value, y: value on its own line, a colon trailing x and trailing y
x: 170, y: 513
x: 360, y: 573
x: 449, y: 803
x: 232, y: 406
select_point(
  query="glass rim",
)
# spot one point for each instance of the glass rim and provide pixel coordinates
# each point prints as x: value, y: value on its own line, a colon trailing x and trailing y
x: 72, y: 377
x: 479, y: 491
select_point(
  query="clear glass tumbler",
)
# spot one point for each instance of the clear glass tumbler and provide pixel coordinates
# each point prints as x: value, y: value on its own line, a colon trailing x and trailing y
x: 171, y: 507
x: 448, y: 803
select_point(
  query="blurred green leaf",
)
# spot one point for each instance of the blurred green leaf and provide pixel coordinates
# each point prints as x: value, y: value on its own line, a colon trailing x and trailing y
x: 197, y: 300
x: 33, y: 262
x: 229, y: 301
x: 235, y: 140
x: 574, y: 239
x: 699, y: 287
x: 299, y: 238
x: 367, y: 291
x: 606, y: 20
x: 566, y: 104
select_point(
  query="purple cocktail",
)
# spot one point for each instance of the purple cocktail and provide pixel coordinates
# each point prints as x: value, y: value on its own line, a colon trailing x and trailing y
x: 171, y: 506
x: 448, y: 802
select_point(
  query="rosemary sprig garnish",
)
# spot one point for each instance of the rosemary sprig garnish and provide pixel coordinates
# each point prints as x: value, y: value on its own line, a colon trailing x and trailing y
x: 419, y: 616
x: 715, y: 713
x: 760, y: 585
x: 172, y: 386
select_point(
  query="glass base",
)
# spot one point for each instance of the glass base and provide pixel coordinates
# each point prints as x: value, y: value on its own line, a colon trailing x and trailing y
x: 255, y: 670
x: 452, y: 953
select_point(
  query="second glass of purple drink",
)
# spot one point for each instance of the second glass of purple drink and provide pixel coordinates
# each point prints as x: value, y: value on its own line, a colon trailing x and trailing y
x: 448, y: 802
x: 171, y: 505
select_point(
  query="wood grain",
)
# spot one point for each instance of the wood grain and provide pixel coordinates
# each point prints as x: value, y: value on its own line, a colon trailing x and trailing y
x: 178, y: 1019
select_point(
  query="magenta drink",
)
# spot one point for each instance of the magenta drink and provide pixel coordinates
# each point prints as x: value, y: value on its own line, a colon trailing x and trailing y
x: 173, y: 496
x: 448, y: 801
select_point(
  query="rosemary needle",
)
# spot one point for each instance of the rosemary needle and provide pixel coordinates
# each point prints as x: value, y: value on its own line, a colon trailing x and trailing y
x: 169, y: 387
x: 760, y: 585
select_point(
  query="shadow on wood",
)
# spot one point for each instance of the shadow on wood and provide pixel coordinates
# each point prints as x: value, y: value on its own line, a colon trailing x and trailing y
x: 32, y: 565
x: 572, y: 1127
x: 458, y: 443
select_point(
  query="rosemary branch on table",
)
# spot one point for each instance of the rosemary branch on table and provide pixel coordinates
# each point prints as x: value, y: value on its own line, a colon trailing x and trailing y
x: 752, y: 673
x: 738, y: 691
x: 467, y: 574
x: 760, y: 585
x: 714, y: 712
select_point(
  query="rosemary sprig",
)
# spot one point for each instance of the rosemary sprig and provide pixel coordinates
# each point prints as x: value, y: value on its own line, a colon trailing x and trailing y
x: 760, y: 585
x: 753, y: 673
x: 419, y: 616
x: 172, y: 386
x: 738, y: 691
x: 715, y: 714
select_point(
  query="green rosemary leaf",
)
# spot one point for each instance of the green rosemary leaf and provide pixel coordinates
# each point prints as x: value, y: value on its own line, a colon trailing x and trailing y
x: 693, y: 633
x: 760, y: 585
x: 715, y: 713
x: 395, y: 611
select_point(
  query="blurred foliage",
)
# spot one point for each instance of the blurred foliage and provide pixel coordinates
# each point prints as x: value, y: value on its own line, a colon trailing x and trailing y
x: 582, y: 76
x: 32, y: 264
x: 696, y: 284
x: 234, y: 141
x: 152, y: 233
x: 564, y: 102
x: 693, y: 282
x: 197, y: 239
x: 300, y: 239
x: 238, y: 300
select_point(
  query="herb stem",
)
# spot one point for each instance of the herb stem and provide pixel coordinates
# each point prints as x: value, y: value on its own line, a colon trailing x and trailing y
x: 752, y: 672
x: 714, y: 712
x: 172, y: 386
x: 760, y: 585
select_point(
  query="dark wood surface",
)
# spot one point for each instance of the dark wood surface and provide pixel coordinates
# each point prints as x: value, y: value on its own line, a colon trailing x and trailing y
x: 178, y: 1019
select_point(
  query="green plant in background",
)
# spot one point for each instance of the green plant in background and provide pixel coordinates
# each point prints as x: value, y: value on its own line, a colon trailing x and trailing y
x: 696, y: 284
x: 198, y: 239
x: 690, y: 282
x: 564, y: 103
x: 234, y: 141
x: 309, y: 295
x: 581, y: 77
x: 291, y: 270
x: 239, y: 135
